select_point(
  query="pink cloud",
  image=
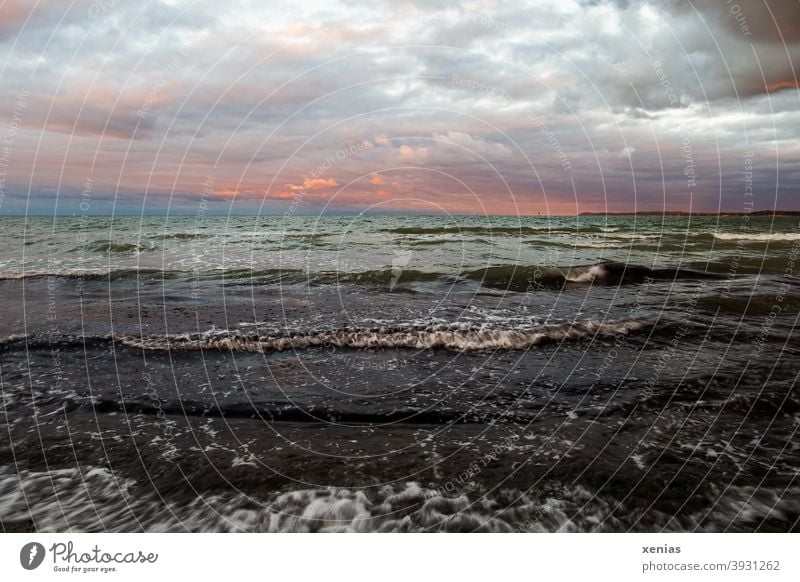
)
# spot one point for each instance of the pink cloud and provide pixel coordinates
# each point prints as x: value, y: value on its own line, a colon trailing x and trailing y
x: 410, y: 155
x: 319, y: 183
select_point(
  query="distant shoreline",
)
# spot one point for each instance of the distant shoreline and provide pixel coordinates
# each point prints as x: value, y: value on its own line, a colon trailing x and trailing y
x: 680, y: 213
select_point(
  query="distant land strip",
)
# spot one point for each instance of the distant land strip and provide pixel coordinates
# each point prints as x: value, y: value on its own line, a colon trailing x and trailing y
x: 681, y: 213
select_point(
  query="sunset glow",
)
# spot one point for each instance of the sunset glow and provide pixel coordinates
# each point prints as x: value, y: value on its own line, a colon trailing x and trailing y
x: 545, y: 107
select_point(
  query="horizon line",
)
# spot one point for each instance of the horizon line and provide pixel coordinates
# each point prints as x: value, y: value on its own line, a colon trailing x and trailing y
x: 766, y: 211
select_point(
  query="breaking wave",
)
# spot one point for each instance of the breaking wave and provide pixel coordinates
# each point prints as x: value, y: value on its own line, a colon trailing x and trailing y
x: 183, y: 236
x: 460, y: 337
x: 510, y: 277
x: 518, y: 278
x: 92, y: 275
x: 107, y: 246
x: 501, y: 230
x: 758, y: 237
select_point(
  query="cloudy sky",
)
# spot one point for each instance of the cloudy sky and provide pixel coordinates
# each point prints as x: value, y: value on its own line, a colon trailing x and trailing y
x: 464, y: 107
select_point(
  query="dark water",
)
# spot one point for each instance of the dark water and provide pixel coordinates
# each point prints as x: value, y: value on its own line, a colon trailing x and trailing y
x: 400, y: 374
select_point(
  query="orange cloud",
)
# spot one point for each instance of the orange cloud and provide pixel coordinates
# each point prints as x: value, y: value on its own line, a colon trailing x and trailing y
x: 313, y: 184
x: 376, y: 180
x: 319, y: 183
x: 242, y: 193
x: 226, y: 192
x: 410, y: 155
x: 308, y: 185
x: 778, y: 85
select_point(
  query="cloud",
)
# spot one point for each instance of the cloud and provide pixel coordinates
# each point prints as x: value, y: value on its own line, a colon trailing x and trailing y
x: 411, y: 155
x: 473, y: 145
x: 148, y: 100
x: 303, y: 189
x: 772, y: 21
x: 319, y: 183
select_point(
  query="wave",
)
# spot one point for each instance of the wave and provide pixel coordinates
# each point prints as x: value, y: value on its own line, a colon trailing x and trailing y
x: 635, y: 236
x: 457, y: 337
x: 758, y: 237
x: 375, y: 277
x: 57, y: 500
x: 507, y: 277
x: 598, y: 245
x: 589, y: 275
x: 448, y: 239
x: 499, y: 230
x: 113, y: 274
x: 745, y: 265
x: 96, y: 499
x: 16, y: 338
x: 107, y: 246
x: 516, y: 278
x: 184, y: 236
x: 588, y: 244
x: 285, y: 412
x: 467, y: 229
x: 750, y: 304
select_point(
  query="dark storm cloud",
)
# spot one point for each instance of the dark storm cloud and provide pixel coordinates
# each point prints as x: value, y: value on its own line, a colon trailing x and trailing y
x: 773, y: 21
x: 751, y: 48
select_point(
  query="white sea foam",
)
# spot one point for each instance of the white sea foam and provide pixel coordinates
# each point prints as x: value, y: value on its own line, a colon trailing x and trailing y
x: 599, y: 245
x: 95, y: 500
x: 14, y: 338
x: 589, y: 275
x: 24, y: 274
x: 775, y: 236
x: 460, y: 337
x: 634, y: 236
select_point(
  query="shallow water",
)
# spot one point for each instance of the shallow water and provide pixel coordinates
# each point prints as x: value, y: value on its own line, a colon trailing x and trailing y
x: 400, y: 374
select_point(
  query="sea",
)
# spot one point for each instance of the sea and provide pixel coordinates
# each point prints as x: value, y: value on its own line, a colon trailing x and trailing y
x: 400, y: 373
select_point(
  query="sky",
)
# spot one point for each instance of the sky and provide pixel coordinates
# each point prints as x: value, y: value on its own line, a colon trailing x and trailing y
x: 475, y: 107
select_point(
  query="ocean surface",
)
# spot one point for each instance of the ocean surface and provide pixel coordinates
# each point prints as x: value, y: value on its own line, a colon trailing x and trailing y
x: 374, y: 373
